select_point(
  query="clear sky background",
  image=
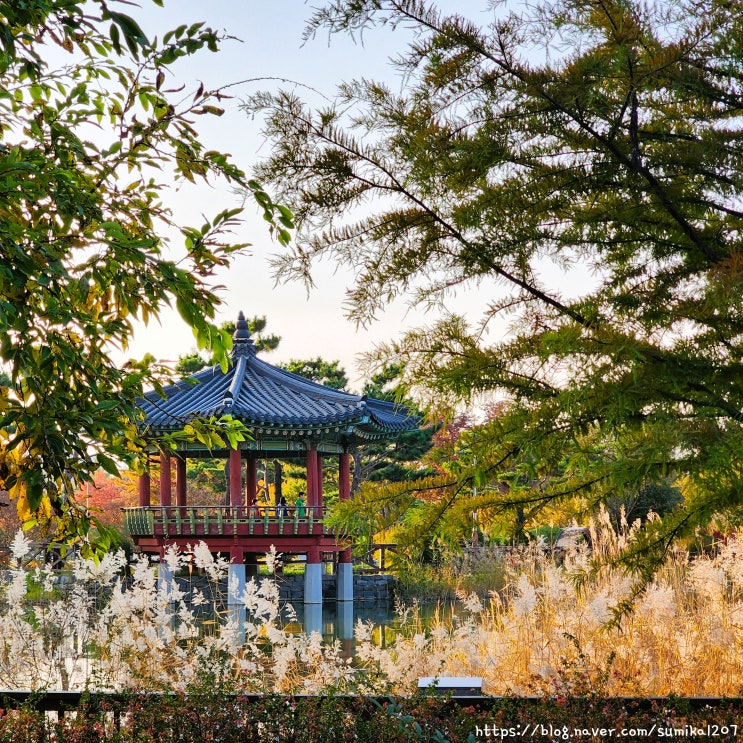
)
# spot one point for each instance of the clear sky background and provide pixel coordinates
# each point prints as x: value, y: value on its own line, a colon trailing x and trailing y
x: 270, y: 46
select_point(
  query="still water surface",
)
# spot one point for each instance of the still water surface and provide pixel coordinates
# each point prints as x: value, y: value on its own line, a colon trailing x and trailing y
x: 336, y: 621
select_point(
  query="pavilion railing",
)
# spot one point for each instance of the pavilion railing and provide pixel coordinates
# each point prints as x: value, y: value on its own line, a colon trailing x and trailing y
x: 204, y: 521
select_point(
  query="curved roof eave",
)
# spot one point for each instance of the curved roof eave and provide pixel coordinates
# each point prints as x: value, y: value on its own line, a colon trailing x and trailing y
x: 264, y: 396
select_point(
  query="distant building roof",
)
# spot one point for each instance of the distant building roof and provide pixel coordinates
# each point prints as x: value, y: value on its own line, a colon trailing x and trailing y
x: 273, y: 403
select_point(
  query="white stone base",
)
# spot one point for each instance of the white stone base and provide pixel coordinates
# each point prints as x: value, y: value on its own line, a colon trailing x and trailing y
x: 235, y: 583
x: 344, y: 585
x: 313, y: 583
x: 164, y: 578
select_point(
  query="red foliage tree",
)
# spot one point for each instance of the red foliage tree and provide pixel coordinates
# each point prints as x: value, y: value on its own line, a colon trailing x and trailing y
x: 107, y: 495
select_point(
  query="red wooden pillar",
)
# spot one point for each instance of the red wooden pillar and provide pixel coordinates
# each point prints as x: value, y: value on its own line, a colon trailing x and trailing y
x: 180, y: 480
x: 236, y: 485
x: 165, y: 481
x: 312, y: 478
x: 251, y: 480
x: 144, y: 489
x: 318, y: 482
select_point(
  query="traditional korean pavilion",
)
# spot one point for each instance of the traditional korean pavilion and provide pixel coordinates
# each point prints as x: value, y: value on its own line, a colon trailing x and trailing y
x: 290, y: 419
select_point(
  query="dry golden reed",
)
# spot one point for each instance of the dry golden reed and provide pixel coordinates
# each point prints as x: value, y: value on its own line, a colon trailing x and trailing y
x: 543, y: 635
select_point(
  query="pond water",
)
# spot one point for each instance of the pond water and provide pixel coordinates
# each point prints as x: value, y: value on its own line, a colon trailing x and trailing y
x: 336, y: 620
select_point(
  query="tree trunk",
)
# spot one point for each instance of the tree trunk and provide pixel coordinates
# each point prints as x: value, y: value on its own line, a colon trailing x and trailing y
x: 278, y: 474
x: 356, y: 476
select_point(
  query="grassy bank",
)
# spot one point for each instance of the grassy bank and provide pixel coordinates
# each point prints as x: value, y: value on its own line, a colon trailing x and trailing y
x: 476, y: 571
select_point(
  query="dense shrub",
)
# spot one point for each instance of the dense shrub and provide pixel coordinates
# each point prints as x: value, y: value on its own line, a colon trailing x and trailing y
x: 216, y: 717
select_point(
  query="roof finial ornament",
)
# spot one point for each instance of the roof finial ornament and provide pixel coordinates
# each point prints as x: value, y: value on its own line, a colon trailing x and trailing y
x: 242, y: 343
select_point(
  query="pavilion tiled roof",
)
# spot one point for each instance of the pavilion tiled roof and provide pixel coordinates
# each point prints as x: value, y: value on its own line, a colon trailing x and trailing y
x: 266, y: 398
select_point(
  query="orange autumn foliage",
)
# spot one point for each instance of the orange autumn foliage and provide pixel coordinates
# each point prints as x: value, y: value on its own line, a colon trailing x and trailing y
x: 107, y: 495
x: 104, y: 498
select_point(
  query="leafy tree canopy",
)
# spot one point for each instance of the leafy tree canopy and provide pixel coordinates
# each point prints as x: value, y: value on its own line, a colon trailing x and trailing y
x: 86, y: 150
x: 595, y: 134
x: 328, y: 373
x: 658, y: 498
x: 399, y: 459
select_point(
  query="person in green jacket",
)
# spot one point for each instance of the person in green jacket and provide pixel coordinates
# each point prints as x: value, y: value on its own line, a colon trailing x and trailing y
x: 300, y: 510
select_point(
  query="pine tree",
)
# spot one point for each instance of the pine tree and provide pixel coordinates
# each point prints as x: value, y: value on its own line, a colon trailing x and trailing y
x: 601, y: 135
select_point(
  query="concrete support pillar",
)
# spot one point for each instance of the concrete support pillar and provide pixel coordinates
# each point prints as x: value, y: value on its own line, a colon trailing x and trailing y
x: 236, y: 578
x: 180, y: 480
x: 144, y: 489
x: 344, y: 579
x: 164, y: 578
x: 235, y: 590
x: 251, y: 480
x: 165, y: 586
x: 236, y: 495
x: 313, y: 577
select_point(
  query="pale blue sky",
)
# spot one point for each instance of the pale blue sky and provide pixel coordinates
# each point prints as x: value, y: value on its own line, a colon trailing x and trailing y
x: 271, y: 46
